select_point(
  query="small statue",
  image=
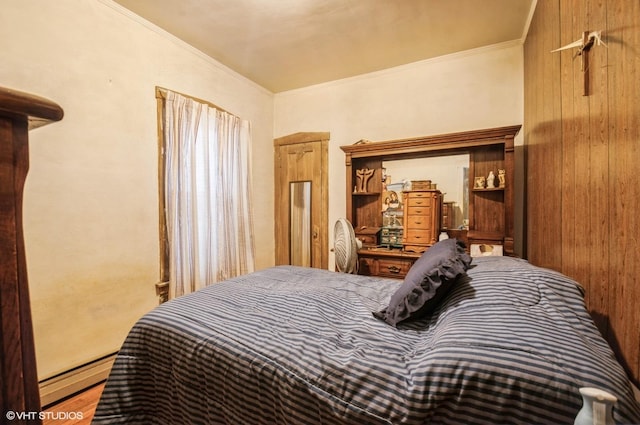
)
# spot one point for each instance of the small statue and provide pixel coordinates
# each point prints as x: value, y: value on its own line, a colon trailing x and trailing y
x: 491, y: 180
x: 362, y: 176
x: 501, y: 178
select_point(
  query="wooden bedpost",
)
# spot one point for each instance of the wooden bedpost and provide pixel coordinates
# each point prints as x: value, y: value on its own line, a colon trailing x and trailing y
x: 19, y: 392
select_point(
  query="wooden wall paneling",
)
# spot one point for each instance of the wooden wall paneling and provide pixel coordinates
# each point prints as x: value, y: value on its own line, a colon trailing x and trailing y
x: 583, y: 221
x: 623, y: 65
x: 585, y: 145
x: 574, y: 159
x: 599, y: 194
x: 551, y: 166
x: 543, y: 134
x: 585, y: 232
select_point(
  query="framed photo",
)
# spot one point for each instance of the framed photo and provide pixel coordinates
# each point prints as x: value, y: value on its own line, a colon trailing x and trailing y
x: 392, y: 201
x: 485, y: 250
x: 480, y: 183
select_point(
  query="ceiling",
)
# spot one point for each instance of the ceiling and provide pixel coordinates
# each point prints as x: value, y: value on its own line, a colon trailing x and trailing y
x: 287, y: 44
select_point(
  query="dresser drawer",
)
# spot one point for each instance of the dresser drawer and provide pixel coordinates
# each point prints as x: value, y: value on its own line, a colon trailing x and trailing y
x: 367, y: 266
x: 418, y: 236
x: 418, y: 222
x: 388, y: 267
x: 419, y: 202
x: 422, y: 211
x: 383, y: 266
x: 367, y: 239
x: 421, y: 221
x: 418, y: 194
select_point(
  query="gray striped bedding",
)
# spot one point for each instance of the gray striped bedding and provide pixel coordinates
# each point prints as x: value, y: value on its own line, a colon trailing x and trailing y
x: 512, y: 343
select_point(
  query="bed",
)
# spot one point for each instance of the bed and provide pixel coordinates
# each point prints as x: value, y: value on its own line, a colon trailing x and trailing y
x: 508, y: 343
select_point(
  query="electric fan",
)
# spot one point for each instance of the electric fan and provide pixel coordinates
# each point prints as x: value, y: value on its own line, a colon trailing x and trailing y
x: 345, y: 246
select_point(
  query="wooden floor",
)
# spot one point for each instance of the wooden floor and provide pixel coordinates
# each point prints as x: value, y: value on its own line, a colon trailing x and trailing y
x: 68, y: 412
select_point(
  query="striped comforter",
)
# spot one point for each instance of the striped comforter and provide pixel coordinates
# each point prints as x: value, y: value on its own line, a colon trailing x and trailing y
x: 512, y: 343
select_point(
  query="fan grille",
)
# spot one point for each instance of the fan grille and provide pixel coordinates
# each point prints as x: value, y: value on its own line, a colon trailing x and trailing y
x: 345, y: 246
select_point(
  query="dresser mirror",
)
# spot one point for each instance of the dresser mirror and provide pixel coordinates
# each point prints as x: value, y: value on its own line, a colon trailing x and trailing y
x: 450, y: 173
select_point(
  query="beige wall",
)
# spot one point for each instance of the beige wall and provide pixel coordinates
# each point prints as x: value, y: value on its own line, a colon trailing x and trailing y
x: 91, y: 214
x: 91, y: 195
x: 470, y: 90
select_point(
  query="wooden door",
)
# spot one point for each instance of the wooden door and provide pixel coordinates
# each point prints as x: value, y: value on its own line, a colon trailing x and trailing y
x: 301, y: 199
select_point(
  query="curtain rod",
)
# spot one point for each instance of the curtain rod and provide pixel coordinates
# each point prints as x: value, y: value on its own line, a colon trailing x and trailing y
x: 161, y: 93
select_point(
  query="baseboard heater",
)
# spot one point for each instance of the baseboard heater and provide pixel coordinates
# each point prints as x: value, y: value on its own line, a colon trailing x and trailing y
x: 75, y: 380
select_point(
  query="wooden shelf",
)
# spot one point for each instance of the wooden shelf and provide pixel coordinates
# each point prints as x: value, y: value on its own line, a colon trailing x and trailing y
x: 366, y: 193
x: 493, y: 189
x: 491, y: 210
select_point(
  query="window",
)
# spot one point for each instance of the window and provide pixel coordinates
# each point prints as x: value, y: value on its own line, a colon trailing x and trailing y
x: 205, y: 194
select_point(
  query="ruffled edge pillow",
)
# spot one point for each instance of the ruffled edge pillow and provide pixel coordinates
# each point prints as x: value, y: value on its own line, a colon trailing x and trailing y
x: 427, y: 282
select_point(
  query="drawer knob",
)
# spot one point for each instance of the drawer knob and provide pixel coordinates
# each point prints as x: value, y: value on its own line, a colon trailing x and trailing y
x: 394, y: 269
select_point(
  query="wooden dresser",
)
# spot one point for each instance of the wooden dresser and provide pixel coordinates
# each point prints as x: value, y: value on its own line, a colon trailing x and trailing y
x: 385, y: 262
x: 19, y: 392
x: 422, y: 216
x: 490, y: 209
x: 447, y: 215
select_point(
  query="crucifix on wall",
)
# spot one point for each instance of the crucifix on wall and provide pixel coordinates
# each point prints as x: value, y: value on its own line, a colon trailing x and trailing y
x: 588, y: 40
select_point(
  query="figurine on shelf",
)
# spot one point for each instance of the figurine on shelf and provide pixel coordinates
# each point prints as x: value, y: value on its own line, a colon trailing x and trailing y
x: 491, y: 180
x: 362, y: 176
x: 359, y: 179
x: 501, y: 178
x: 479, y: 183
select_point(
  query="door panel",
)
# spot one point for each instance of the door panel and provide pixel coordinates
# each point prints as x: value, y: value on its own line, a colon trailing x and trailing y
x: 301, y: 174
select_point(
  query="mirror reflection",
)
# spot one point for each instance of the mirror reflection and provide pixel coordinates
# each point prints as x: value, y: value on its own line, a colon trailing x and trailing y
x: 450, y: 174
x: 300, y: 222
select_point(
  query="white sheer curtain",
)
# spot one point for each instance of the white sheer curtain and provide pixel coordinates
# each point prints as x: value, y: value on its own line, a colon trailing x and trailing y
x: 207, y: 190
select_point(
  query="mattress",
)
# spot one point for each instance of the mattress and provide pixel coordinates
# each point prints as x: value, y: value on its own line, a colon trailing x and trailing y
x: 511, y: 343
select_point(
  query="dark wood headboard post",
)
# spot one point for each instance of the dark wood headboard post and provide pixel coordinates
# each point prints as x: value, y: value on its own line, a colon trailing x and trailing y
x: 19, y: 392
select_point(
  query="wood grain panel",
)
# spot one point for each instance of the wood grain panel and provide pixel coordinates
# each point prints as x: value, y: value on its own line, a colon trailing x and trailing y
x: 584, y: 141
x: 572, y: 146
x: 596, y: 106
x: 543, y: 134
x: 583, y: 220
x: 623, y: 65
